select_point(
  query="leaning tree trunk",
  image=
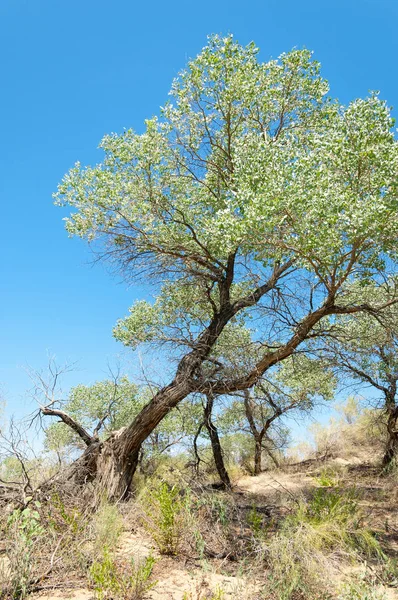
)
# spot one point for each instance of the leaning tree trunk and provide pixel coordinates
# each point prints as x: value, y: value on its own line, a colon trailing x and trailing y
x: 258, y: 450
x: 118, y: 459
x: 113, y: 462
x: 215, y: 443
x: 391, y: 450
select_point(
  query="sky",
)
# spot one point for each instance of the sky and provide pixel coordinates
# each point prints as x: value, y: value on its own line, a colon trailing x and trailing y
x: 72, y: 71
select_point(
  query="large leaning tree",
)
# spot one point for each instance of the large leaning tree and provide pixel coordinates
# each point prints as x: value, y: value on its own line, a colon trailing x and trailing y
x: 252, y: 199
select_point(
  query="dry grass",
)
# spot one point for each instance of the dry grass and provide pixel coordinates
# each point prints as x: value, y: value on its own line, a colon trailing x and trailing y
x: 290, y: 534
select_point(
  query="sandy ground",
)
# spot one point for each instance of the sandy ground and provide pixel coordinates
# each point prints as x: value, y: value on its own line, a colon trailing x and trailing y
x: 277, y: 487
x: 175, y: 581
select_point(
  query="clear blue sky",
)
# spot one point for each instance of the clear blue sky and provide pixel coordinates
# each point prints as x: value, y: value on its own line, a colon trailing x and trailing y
x: 74, y: 70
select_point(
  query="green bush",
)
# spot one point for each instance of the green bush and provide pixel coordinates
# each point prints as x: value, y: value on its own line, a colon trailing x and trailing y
x: 112, y: 581
x: 23, y: 531
x: 163, y: 510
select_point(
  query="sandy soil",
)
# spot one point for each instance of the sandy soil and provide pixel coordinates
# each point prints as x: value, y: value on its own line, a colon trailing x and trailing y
x: 175, y: 580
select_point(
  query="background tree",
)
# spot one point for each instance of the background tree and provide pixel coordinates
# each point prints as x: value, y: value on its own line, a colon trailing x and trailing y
x: 365, y: 350
x: 295, y: 386
x: 253, y: 195
x: 205, y: 422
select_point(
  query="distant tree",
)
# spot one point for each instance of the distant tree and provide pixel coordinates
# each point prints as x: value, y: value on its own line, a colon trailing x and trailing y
x: 366, y: 350
x: 89, y: 411
x: 298, y: 385
x: 252, y: 196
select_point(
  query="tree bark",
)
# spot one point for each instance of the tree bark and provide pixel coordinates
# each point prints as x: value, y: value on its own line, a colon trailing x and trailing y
x: 391, y: 450
x: 258, y: 449
x: 215, y: 443
x: 119, y: 456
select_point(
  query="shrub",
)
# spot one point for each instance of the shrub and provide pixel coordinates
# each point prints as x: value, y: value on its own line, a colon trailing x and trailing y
x: 69, y: 530
x: 116, y: 582
x: 107, y: 526
x: 337, y: 520
x: 23, y: 531
x: 163, y: 510
x: 218, y: 506
x: 361, y: 590
x: 388, y: 572
x: 299, y: 555
x: 65, y: 517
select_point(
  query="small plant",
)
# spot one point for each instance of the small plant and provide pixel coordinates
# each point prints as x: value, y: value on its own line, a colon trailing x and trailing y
x: 107, y: 526
x: 361, y: 590
x: 24, y: 531
x: 218, y: 506
x: 220, y: 510
x: 139, y: 579
x: 388, y: 572
x: 255, y: 522
x: 391, y: 468
x: 192, y: 523
x: 217, y: 594
x: 69, y: 523
x: 163, y: 510
x: 104, y: 577
x: 337, y: 520
x: 112, y: 581
x: 327, y: 478
x: 62, y: 517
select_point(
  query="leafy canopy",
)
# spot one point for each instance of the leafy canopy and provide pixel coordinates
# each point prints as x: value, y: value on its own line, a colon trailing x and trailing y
x: 250, y: 162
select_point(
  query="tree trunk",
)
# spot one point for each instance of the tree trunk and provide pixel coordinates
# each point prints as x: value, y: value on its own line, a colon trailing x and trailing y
x: 391, y: 450
x: 118, y: 459
x: 257, y: 456
x: 215, y: 443
x: 113, y: 462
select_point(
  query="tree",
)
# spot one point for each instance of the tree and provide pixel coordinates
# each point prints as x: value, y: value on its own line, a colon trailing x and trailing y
x: 253, y: 195
x: 205, y: 421
x: 366, y: 350
x: 297, y: 385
